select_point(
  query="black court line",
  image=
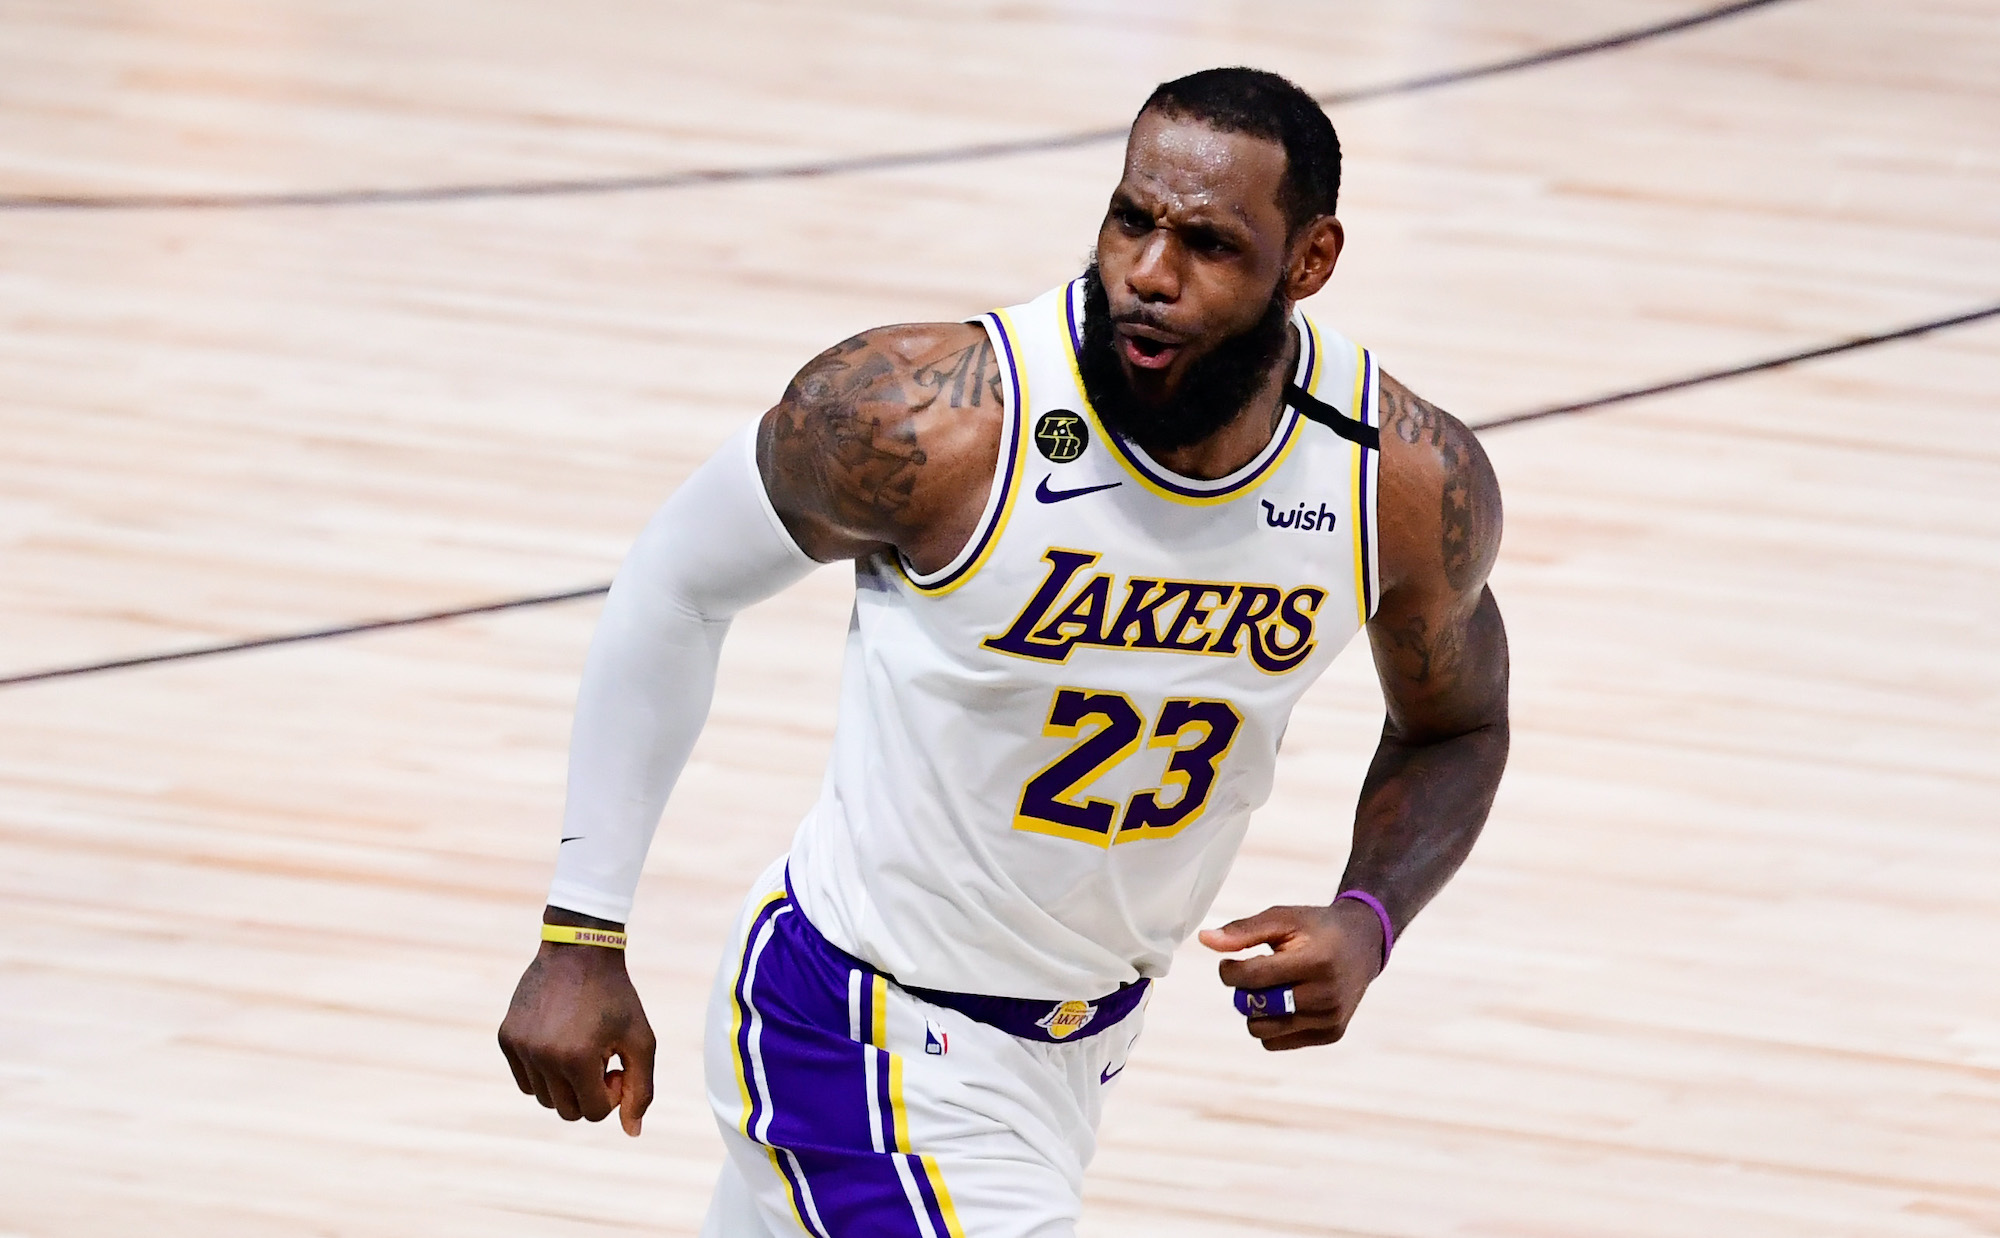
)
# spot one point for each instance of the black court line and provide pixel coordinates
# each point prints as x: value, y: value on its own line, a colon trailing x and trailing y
x: 1734, y: 371
x: 830, y: 167
x: 573, y: 595
x: 294, y: 638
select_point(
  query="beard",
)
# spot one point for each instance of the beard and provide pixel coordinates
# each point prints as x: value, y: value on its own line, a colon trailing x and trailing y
x: 1215, y: 388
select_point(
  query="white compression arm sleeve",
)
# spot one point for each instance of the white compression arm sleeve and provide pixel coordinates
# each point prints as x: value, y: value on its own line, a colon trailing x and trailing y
x: 712, y: 549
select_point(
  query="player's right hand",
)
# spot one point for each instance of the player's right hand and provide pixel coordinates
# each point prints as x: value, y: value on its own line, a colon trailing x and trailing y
x: 574, y: 1010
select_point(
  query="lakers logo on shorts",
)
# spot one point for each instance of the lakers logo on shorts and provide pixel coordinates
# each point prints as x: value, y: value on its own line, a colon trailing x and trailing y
x: 1067, y: 1019
x: 1060, y: 435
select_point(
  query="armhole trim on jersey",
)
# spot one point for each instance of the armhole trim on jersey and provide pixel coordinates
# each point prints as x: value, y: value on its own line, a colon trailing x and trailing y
x: 1367, y: 480
x: 1006, y: 477
x: 1310, y: 371
x: 1364, y: 438
x: 1162, y: 482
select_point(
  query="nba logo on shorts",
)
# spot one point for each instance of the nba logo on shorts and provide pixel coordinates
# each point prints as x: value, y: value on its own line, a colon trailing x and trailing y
x: 1067, y: 1019
x: 935, y: 1039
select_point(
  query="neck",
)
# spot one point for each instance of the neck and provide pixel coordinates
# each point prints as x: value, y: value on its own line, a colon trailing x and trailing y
x: 1239, y: 439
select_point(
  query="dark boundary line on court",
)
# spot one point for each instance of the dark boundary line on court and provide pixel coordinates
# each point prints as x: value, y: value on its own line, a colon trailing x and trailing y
x: 830, y: 167
x: 345, y: 629
x: 1735, y: 371
x: 574, y: 595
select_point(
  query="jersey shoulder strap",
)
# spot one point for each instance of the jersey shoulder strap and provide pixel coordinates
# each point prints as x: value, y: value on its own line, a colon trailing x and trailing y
x: 1327, y: 415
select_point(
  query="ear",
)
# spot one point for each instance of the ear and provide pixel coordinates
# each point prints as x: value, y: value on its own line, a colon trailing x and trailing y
x: 1313, y: 256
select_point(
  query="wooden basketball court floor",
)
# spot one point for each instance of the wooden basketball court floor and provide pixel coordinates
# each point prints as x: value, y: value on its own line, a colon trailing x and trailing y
x: 1726, y: 963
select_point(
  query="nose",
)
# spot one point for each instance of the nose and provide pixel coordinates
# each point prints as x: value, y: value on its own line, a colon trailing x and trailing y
x: 1155, y: 273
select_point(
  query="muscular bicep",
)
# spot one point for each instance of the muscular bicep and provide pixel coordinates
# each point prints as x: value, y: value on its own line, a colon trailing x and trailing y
x: 876, y: 439
x: 1439, y: 644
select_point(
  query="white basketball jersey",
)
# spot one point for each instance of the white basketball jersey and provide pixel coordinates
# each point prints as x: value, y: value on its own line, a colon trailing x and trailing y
x: 1048, y: 750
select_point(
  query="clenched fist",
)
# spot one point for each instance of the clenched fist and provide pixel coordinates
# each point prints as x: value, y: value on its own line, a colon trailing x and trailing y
x: 1327, y: 955
x: 574, y: 1010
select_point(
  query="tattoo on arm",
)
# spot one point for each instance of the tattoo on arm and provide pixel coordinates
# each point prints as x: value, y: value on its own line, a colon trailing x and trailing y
x: 841, y: 445
x: 1417, y: 652
x: 1469, y: 503
x: 1441, y: 651
x: 968, y: 375
x: 1444, y: 746
x: 1456, y: 521
x: 1408, y: 416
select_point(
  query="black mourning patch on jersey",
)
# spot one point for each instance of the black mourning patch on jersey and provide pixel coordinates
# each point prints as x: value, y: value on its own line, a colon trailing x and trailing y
x: 1060, y: 435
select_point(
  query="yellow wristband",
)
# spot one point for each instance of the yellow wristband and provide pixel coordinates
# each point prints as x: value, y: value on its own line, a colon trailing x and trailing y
x: 571, y: 935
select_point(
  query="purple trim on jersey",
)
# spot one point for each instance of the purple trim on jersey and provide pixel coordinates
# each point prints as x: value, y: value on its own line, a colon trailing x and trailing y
x: 1310, y: 338
x: 1152, y: 472
x: 1174, y: 485
x: 1010, y: 451
x: 1364, y: 506
x: 808, y: 1080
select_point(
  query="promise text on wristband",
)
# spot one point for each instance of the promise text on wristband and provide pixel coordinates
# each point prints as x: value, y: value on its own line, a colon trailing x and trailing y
x: 572, y: 935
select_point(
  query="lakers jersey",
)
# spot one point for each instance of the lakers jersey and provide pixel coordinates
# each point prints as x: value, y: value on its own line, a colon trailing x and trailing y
x: 1048, y: 750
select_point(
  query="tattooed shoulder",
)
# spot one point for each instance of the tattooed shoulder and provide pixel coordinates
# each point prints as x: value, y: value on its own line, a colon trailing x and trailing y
x: 1445, y: 470
x: 842, y: 453
x: 968, y: 377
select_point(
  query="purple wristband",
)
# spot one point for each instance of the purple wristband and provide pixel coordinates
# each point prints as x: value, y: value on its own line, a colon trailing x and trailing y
x: 1381, y: 913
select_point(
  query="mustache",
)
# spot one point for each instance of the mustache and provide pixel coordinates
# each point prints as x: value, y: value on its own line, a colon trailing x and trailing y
x: 1151, y: 319
x: 1140, y: 317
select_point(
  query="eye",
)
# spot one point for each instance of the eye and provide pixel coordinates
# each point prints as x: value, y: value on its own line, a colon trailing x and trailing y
x: 1131, y: 220
x: 1203, y: 241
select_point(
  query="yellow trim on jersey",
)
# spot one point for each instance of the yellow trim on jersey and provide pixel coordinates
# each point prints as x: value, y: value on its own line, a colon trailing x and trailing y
x: 737, y: 1001
x: 1354, y: 489
x: 1011, y: 476
x: 1319, y: 358
x: 1288, y: 428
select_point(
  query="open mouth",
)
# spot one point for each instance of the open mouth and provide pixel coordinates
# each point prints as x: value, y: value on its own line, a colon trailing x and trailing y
x: 1147, y: 352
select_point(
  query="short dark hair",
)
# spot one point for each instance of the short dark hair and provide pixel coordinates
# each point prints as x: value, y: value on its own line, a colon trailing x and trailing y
x: 1264, y: 105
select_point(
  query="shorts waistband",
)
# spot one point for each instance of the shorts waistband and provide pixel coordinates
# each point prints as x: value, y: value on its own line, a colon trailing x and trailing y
x: 1050, y: 1022
x: 1032, y: 1019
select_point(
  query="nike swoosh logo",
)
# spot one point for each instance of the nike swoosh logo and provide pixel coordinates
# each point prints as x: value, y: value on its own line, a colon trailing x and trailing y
x: 572, y: 838
x: 1045, y: 495
x: 1110, y: 1074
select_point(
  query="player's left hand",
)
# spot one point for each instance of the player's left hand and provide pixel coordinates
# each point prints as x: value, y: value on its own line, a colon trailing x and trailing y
x: 1328, y: 955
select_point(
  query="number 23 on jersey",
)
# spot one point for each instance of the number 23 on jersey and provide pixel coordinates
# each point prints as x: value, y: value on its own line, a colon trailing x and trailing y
x: 1108, y: 729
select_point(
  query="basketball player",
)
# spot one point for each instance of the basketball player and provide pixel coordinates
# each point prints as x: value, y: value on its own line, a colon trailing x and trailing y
x: 1102, y: 543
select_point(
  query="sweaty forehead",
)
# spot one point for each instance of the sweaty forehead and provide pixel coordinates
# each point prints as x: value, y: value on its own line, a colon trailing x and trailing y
x: 1189, y: 167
